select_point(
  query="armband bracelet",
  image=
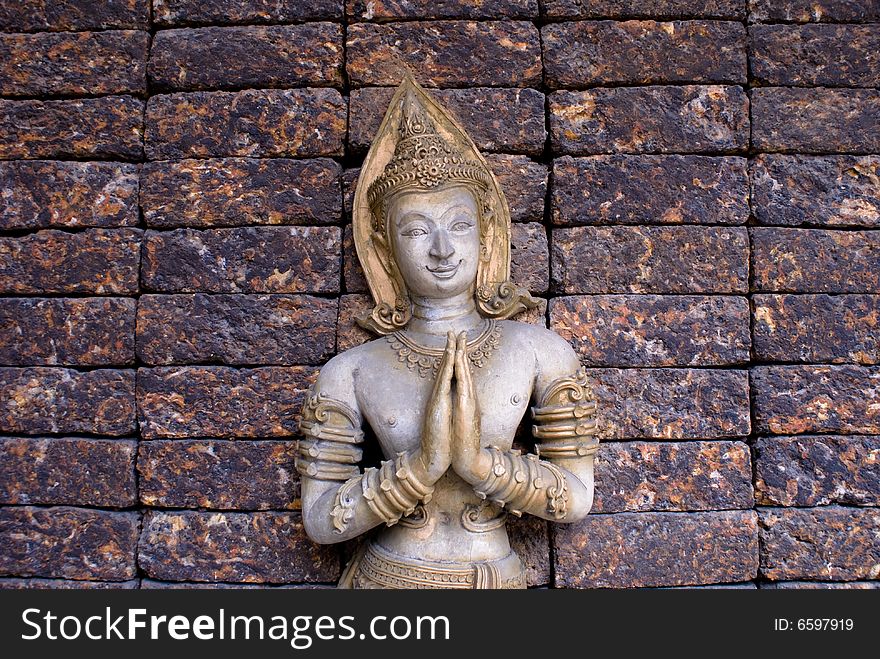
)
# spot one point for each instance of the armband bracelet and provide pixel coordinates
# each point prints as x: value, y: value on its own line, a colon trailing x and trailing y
x: 515, y: 481
x: 392, y: 490
x: 329, y: 447
x: 565, y: 420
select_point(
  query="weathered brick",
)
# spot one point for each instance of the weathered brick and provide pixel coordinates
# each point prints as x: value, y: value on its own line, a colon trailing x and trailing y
x: 268, y: 122
x: 734, y: 9
x: 71, y: 543
x: 445, y: 54
x: 266, y: 547
x: 524, y: 183
x: 815, y: 260
x: 66, y: 584
x: 657, y: 549
x: 349, y: 334
x: 530, y: 540
x: 187, y: 12
x: 815, y: 470
x: 58, y: 331
x: 251, y: 56
x: 586, y: 53
x: 389, y: 10
x: 672, y: 476
x: 671, y: 403
x: 654, y: 330
x: 804, y: 11
x: 670, y: 189
x: 649, y: 259
x: 40, y: 194
x: 239, y: 475
x: 102, y: 261
x: 806, y: 55
x: 821, y: 190
x: 820, y: 585
x: 815, y: 120
x: 353, y: 273
x: 235, y: 329
x: 219, y: 401
x: 39, y: 15
x: 838, y: 544
x: 152, y: 584
x: 509, y: 120
x: 245, y: 260
x: 688, y: 119
x: 817, y: 328
x: 62, y: 471
x: 240, y: 192
x: 803, y: 399
x: 59, y: 400
x: 111, y: 62
x: 106, y: 127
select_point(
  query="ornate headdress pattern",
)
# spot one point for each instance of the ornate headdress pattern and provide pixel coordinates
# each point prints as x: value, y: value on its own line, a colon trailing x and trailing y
x: 419, y: 146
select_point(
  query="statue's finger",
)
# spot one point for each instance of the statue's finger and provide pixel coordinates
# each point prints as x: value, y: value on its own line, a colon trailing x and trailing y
x: 447, y: 363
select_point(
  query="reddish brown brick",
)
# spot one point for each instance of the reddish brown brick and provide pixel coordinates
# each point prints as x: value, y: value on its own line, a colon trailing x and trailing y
x: 66, y: 584
x: 524, y: 183
x: 219, y: 401
x: 807, y: 55
x: 222, y: 12
x: 648, y: 259
x: 355, y: 282
x: 240, y: 475
x: 654, y: 330
x: 74, y: 63
x: 61, y: 471
x: 657, y: 549
x: 822, y: 585
x: 58, y: 331
x: 102, y: 261
x: 734, y: 9
x: 815, y: 470
x: 829, y: 399
x: 837, y: 544
x: 240, y: 192
x: 586, y: 53
x: 820, y: 190
x: 650, y: 189
x: 39, y: 15
x: 685, y: 119
x: 106, y: 127
x: 388, y: 10
x: 235, y: 329
x: 530, y: 540
x: 59, y: 400
x: 817, y: 328
x: 267, y: 547
x: 71, y: 543
x: 509, y: 120
x: 671, y: 403
x: 530, y: 257
x: 245, y: 260
x: 815, y: 260
x: 815, y: 120
x: 40, y: 194
x: 267, y: 123
x: 250, y: 56
x: 445, y: 54
x: 672, y: 476
x: 804, y: 11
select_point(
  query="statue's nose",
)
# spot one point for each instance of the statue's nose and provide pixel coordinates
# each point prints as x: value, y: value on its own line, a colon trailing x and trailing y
x: 442, y: 247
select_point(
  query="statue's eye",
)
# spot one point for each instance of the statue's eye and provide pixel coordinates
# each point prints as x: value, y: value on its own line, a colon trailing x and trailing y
x: 462, y: 225
x: 415, y: 232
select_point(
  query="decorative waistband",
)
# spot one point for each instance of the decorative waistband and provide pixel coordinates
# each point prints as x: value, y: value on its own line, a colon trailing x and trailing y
x: 381, y: 568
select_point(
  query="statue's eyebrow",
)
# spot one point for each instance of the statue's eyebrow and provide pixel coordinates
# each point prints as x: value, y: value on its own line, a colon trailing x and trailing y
x: 412, y: 216
x: 459, y: 207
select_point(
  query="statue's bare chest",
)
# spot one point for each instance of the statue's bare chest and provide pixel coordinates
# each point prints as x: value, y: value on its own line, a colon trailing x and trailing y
x: 393, y: 396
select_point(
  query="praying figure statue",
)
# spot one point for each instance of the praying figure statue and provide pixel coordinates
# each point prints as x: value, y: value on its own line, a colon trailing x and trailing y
x: 444, y: 388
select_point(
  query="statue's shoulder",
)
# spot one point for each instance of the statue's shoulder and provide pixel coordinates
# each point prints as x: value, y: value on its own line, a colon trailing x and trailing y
x: 543, y: 342
x: 347, y: 362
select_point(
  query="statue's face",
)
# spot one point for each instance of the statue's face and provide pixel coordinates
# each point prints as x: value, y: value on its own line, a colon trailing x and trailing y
x: 436, y: 240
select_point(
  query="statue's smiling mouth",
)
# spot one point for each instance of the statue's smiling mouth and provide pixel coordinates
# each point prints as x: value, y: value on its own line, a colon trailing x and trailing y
x: 444, y: 271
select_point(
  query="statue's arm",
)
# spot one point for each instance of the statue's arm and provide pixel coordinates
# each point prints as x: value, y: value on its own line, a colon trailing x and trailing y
x: 556, y: 482
x: 339, y: 501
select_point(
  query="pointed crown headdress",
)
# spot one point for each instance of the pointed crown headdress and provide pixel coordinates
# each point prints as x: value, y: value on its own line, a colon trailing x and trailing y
x: 420, y: 146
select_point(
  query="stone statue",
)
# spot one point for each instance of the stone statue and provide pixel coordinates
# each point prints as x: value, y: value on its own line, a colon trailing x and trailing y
x: 447, y: 384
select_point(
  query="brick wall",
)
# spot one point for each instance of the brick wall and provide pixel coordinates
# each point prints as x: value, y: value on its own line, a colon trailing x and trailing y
x: 696, y: 193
